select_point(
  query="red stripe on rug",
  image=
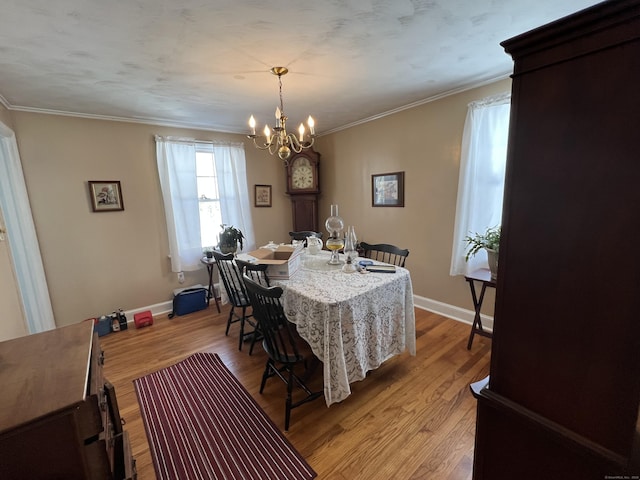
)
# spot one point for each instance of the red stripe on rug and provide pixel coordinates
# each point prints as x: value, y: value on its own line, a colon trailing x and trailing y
x: 203, y: 424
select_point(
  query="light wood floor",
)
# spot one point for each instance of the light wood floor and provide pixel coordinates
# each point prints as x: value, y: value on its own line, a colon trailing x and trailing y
x: 413, y: 418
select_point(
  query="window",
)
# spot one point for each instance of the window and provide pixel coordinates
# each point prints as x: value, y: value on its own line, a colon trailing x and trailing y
x: 204, y: 184
x: 481, y: 183
x: 208, y: 198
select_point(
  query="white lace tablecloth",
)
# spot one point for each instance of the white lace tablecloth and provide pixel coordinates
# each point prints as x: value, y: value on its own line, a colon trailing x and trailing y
x: 353, y: 322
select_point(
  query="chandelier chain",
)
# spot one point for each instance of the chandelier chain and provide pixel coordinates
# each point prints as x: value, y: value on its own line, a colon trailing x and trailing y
x: 281, y: 102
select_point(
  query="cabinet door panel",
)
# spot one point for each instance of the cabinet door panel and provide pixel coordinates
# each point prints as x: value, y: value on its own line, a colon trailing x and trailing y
x: 95, y: 455
x: 305, y: 213
x: 43, y: 450
x: 89, y: 418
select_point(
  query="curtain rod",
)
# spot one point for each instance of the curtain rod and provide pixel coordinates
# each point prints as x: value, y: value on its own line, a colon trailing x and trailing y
x: 500, y: 98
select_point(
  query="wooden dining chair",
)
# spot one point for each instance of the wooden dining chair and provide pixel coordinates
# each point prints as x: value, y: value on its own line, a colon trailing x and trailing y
x: 285, y: 349
x: 384, y: 252
x: 302, y: 235
x: 258, y: 273
x: 231, y: 276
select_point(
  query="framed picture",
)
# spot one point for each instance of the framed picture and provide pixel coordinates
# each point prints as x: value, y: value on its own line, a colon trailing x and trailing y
x: 387, y: 189
x: 263, y: 196
x: 106, y: 195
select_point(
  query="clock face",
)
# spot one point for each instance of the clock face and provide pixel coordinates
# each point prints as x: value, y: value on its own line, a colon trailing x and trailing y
x: 301, y: 175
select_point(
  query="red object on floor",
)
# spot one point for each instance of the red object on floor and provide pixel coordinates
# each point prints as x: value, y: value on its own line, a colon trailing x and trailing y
x: 143, y: 319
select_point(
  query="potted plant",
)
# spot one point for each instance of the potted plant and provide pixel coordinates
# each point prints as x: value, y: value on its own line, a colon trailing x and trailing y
x: 230, y: 238
x: 490, y: 241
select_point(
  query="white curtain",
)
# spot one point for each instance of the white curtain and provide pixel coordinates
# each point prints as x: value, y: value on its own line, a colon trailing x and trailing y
x: 176, y: 159
x: 177, y: 171
x: 23, y: 240
x: 481, y: 181
x: 235, y: 207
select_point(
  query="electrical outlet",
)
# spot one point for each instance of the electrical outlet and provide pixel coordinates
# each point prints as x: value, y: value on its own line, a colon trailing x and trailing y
x: 180, y: 277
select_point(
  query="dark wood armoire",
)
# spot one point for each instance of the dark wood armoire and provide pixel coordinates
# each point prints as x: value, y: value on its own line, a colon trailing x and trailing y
x: 564, y: 388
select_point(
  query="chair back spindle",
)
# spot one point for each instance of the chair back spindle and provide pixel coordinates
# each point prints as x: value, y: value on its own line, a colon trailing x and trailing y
x: 279, y: 339
x: 384, y: 252
x: 255, y: 271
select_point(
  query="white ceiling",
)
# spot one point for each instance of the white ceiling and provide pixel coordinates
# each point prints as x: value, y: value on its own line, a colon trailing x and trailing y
x: 205, y: 63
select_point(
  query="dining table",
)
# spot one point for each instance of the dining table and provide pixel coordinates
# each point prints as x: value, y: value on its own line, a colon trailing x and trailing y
x: 353, y: 322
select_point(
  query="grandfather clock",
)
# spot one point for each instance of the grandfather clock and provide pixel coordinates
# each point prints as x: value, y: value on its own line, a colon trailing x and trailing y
x: 303, y: 187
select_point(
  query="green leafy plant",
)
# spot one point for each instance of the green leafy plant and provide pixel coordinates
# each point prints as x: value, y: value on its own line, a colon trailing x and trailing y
x: 490, y: 240
x: 230, y: 236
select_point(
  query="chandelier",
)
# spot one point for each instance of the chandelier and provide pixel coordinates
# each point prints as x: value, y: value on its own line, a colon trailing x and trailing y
x: 279, y: 140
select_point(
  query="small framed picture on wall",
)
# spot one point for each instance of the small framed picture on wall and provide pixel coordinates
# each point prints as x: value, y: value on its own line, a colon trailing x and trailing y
x: 387, y: 189
x: 106, y: 195
x: 263, y: 195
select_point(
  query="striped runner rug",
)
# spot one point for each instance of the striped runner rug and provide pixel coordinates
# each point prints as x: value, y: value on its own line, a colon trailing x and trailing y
x: 202, y: 424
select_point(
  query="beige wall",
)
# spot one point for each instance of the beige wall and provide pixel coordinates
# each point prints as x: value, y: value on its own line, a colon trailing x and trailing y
x: 97, y: 262
x: 424, y: 142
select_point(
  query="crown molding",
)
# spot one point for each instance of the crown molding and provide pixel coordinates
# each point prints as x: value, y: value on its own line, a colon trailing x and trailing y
x: 212, y: 128
x: 144, y: 120
x: 424, y: 101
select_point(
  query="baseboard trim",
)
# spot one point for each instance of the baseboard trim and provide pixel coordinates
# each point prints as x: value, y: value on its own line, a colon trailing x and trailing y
x: 159, y: 308
x: 450, y: 311
x: 156, y: 310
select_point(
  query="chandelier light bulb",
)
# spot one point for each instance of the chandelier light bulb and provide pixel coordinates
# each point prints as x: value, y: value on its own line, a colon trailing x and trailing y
x: 267, y: 132
x: 252, y: 124
x: 301, y: 131
x: 311, y: 124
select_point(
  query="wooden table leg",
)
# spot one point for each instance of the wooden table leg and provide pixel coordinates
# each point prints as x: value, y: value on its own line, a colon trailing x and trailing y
x: 476, y: 327
x: 212, y: 291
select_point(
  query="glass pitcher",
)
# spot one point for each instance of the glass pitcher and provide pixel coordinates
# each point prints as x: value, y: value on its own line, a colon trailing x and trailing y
x: 314, y: 245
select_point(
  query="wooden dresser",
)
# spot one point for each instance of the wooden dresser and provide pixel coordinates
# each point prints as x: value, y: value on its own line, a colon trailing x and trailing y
x: 58, y: 416
x: 564, y: 388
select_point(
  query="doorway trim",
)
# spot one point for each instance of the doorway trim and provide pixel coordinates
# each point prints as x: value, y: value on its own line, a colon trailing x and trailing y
x: 22, y: 237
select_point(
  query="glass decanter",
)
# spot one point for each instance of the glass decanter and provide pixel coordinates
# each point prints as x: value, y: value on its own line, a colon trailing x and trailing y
x: 334, y: 225
x: 350, y: 252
